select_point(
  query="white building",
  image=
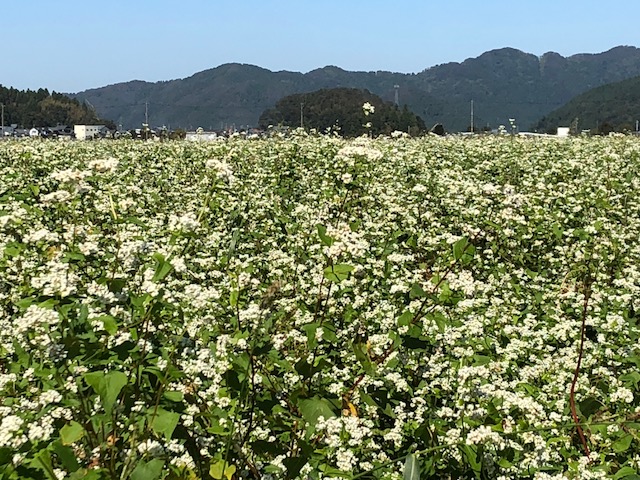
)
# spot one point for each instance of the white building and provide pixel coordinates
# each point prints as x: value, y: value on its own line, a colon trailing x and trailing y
x: 86, y: 132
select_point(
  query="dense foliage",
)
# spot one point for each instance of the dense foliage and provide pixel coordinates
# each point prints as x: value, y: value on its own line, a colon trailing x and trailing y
x: 313, y: 308
x: 341, y: 109
x: 612, y: 107
x: 29, y: 108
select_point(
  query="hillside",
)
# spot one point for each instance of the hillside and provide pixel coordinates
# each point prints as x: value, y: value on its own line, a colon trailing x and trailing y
x: 39, y: 108
x: 615, y: 106
x: 503, y: 84
x: 341, y: 108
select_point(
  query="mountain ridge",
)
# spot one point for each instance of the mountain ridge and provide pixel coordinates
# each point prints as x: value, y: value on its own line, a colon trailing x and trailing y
x: 503, y: 83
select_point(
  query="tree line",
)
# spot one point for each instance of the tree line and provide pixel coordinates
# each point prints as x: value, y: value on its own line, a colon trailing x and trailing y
x: 39, y: 108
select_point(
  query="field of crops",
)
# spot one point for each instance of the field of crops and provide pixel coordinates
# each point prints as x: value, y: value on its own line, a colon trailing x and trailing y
x: 313, y: 307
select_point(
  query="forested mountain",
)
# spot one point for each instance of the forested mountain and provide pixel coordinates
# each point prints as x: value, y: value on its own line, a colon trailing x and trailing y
x: 342, y: 109
x: 29, y: 108
x: 503, y: 84
x: 611, y: 107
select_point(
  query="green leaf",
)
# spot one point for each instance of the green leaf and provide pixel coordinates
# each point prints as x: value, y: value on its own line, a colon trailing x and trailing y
x: 71, y: 433
x: 66, y: 456
x: 625, y: 472
x: 294, y: 465
x: 411, y: 468
x: 85, y: 474
x: 162, y: 268
x: 148, y: 470
x: 315, y: 407
x: 363, y: 357
x: 174, y: 396
x: 459, y: 248
x: 42, y: 461
x: 622, y: 444
x: 417, y: 292
x: 474, y: 457
x: 110, y: 324
x: 324, y: 238
x: 232, y: 244
x: 108, y: 386
x: 631, y: 378
x: 337, y: 273
x: 164, y: 422
x: 589, y: 406
x: 479, y: 360
x: 6, y: 455
x: 222, y: 469
x: 405, y: 319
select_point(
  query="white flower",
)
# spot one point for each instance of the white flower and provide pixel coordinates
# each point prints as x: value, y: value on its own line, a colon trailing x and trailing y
x: 368, y: 109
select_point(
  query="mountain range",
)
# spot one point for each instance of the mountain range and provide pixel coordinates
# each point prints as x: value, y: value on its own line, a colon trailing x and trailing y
x: 502, y: 84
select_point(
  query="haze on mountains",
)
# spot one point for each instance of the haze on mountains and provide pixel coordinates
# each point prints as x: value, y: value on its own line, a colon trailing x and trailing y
x: 504, y: 83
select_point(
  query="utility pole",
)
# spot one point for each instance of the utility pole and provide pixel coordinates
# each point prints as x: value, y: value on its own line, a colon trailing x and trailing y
x: 471, y: 116
x: 301, y: 116
x: 146, y: 113
x: 3, y: 121
x: 396, y: 87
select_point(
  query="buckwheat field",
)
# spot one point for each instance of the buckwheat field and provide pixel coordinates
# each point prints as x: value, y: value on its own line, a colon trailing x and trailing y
x: 312, y: 308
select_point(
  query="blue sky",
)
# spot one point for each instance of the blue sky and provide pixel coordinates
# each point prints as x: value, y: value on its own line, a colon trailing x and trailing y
x: 72, y: 45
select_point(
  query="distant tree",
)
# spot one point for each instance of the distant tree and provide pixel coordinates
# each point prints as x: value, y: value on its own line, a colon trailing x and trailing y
x: 605, y: 128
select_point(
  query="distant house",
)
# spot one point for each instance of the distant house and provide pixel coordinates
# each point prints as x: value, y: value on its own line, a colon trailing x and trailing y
x: 86, y: 132
x: 62, y: 131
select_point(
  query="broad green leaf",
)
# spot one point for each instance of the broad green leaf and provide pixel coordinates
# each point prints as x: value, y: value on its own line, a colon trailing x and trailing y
x: 411, y: 468
x: 459, y: 248
x: 417, y: 292
x: 315, y: 407
x: 147, y: 470
x: 71, y: 433
x: 622, y: 444
x: 625, y: 472
x: 337, y: 273
x: 174, y: 396
x: 164, y: 422
x: 110, y: 324
x: 294, y: 465
x: 42, y: 461
x: 5, y: 455
x: 405, y: 319
x: 221, y: 470
x: 479, y: 360
x: 66, y: 456
x: 631, y: 378
x: 108, y: 386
